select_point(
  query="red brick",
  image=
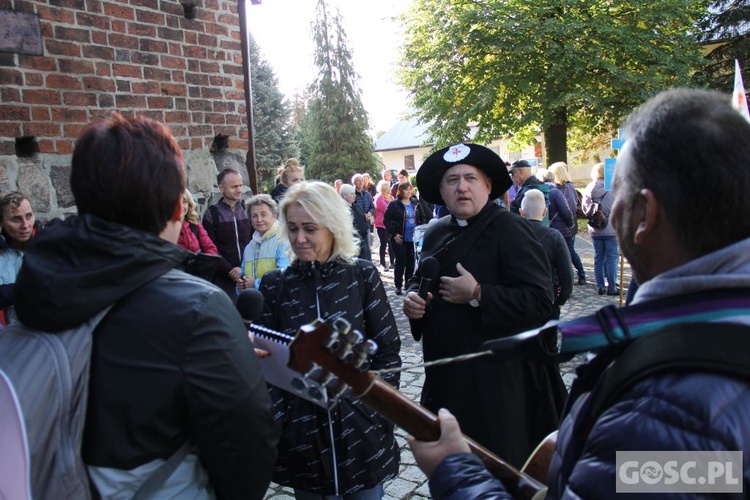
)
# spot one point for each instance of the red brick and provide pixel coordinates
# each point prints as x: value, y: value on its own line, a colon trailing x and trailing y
x: 219, y: 81
x: 123, y: 41
x: 183, y: 143
x: 149, y: 17
x: 235, y: 95
x: 103, y: 69
x: 10, y: 76
x: 94, y: 6
x: 224, y: 107
x: 62, y: 16
x: 98, y: 52
x: 199, y: 130
x: 239, y: 143
x: 63, y: 82
x: 153, y: 114
x: 150, y: 4
x: 46, y: 29
x: 106, y: 101
x: 195, y: 52
x: 191, y: 38
x: 173, y: 62
x: 177, y: 129
x: 230, y: 46
x: 178, y: 76
x: 157, y: 74
x: 194, y: 65
x: 153, y: 46
x: 127, y: 70
x: 75, y: 66
x: 93, y: 21
x: 58, y: 48
x: 64, y: 146
x: 210, y: 67
x: 67, y: 115
x: 147, y: 87
x: 177, y: 117
x: 119, y: 26
x: 69, y: 4
x: 8, y: 95
x: 34, y: 80
x: 73, y: 130
x: 196, y: 79
x: 39, y: 113
x: 100, y: 37
x: 145, y: 59
x: 175, y: 49
x: 46, y: 146
x: 79, y: 99
x: 130, y: 101
x: 72, y: 34
x: 37, y: 63
x: 211, y: 93
x: 98, y: 84
x: 199, y: 105
x: 139, y: 29
x: 217, y: 29
x: 160, y: 102
x: 238, y: 117
x: 194, y: 92
x: 10, y: 130
x: 118, y: 11
x: 215, y: 118
x: 231, y: 69
x: 171, y: 34
x: 42, y: 129
x: 196, y: 143
x: 35, y: 96
x: 175, y: 90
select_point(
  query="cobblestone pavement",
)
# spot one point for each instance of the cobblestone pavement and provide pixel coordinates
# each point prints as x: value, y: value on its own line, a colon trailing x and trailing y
x: 411, y: 482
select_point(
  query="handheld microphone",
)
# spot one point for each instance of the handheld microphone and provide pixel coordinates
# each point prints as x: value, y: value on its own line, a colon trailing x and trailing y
x: 430, y: 269
x: 250, y: 305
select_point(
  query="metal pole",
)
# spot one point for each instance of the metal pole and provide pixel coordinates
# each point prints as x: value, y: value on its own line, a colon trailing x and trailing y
x: 250, y: 162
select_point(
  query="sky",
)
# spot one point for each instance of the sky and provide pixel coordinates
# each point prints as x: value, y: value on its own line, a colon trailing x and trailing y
x: 282, y: 30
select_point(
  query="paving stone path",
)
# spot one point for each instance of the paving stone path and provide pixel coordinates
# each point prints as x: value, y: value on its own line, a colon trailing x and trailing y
x: 411, y: 482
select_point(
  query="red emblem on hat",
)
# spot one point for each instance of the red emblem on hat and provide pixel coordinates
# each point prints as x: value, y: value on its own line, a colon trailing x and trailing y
x: 456, y: 153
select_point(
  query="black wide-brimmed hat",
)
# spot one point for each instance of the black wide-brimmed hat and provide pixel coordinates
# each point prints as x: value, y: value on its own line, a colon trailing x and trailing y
x: 433, y: 168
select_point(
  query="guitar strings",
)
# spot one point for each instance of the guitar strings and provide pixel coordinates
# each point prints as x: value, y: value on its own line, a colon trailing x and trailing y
x: 437, y: 362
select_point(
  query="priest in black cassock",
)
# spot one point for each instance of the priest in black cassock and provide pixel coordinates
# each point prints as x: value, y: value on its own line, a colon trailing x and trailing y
x: 494, y: 281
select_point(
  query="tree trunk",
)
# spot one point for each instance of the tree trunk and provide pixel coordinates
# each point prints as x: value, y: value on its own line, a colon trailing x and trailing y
x: 556, y: 137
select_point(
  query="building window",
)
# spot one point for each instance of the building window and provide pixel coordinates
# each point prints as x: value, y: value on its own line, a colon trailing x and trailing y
x: 409, y: 162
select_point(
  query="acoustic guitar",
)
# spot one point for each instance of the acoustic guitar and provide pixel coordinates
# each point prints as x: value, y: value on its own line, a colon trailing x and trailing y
x: 337, y: 358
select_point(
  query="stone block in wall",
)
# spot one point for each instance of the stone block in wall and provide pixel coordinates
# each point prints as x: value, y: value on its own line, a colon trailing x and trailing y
x: 34, y: 182
x: 200, y: 169
x: 60, y: 177
x: 8, y: 173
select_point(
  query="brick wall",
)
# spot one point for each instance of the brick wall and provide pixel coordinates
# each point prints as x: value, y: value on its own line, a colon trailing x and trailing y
x: 137, y: 57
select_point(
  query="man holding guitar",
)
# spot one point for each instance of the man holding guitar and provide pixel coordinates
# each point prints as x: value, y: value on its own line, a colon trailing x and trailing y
x: 682, y: 219
x: 494, y: 281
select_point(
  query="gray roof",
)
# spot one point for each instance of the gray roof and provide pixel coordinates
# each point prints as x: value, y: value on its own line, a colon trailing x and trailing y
x: 406, y: 134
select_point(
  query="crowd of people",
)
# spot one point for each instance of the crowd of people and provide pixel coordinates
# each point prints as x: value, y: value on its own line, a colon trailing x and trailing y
x: 182, y: 391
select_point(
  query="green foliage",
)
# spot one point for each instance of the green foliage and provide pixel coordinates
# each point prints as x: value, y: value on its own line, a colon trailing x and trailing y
x: 334, y: 141
x: 513, y: 64
x: 728, y: 23
x: 274, y: 131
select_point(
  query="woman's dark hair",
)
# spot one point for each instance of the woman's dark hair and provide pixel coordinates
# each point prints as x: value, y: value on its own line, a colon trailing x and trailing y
x: 402, y: 188
x: 129, y: 171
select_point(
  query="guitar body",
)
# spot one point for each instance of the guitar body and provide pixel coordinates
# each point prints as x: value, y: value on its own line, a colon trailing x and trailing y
x: 537, y: 465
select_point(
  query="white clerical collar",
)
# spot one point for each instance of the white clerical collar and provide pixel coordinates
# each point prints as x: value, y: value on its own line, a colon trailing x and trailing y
x: 462, y: 222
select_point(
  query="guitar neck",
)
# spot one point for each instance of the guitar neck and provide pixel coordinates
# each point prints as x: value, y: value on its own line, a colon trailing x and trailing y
x: 425, y: 426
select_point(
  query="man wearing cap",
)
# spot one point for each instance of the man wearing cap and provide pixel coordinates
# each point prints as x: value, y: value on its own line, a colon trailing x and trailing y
x: 520, y: 173
x: 494, y: 281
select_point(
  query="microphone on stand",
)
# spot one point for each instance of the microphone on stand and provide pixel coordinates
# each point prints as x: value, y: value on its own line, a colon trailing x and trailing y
x: 250, y: 305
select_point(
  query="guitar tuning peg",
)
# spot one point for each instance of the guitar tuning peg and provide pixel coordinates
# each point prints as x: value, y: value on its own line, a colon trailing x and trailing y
x: 341, y: 325
x: 333, y: 341
x: 343, y: 391
x: 370, y: 347
x: 314, y: 372
x: 364, y: 352
x: 355, y: 337
x: 330, y: 380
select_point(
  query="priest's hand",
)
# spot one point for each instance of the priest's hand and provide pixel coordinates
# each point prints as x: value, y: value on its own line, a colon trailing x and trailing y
x: 458, y: 290
x: 429, y: 454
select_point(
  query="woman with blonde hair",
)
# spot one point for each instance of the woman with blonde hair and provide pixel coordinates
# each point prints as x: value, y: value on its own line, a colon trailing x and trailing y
x: 290, y: 174
x: 193, y: 235
x: 349, y: 451
x: 606, y: 251
x: 562, y: 180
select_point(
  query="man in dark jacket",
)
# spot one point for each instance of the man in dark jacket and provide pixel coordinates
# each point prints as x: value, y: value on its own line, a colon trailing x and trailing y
x: 229, y: 228
x: 494, y: 280
x: 533, y: 209
x: 171, y: 362
x: 691, y: 267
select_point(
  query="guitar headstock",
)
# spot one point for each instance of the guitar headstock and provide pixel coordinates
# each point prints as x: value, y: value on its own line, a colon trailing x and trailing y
x: 335, y: 356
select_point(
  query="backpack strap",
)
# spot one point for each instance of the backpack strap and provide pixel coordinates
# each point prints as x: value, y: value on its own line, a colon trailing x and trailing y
x: 195, y: 230
x: 716, y: 347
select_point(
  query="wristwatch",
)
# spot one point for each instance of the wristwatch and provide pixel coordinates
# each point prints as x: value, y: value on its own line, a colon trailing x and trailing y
x: 474, y: 302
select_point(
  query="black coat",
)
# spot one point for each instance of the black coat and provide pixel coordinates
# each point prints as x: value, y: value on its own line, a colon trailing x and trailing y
x: 394, y: 218
x: 367, y: 452
x: 507, y: 406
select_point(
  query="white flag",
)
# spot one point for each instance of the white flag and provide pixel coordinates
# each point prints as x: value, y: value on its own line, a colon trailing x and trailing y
x: 739, y: 98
